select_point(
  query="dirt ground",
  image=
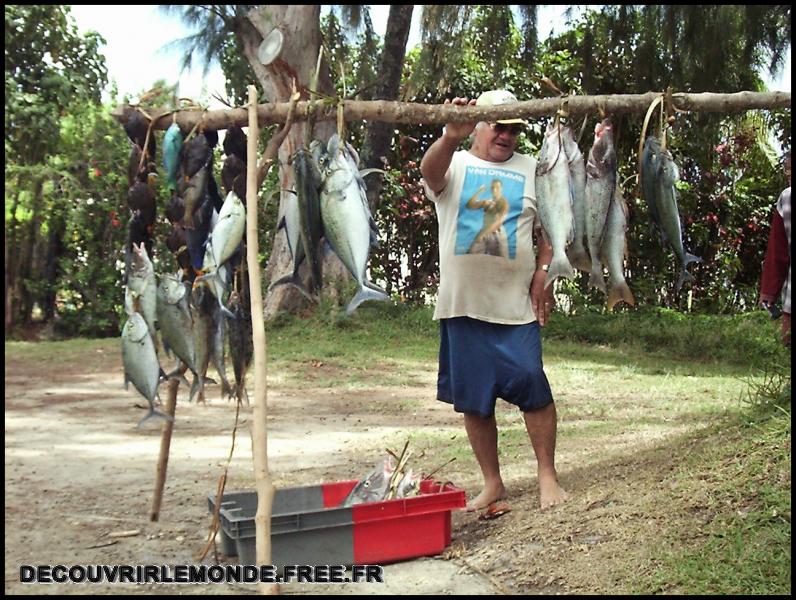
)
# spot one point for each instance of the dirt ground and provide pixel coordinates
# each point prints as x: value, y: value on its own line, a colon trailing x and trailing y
x: 78, y: 474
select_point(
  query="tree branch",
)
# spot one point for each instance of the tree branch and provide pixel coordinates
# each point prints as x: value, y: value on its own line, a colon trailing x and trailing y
x: 408, y: 112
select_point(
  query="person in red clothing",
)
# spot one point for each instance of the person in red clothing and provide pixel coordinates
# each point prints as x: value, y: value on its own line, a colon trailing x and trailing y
x: 776, y: 267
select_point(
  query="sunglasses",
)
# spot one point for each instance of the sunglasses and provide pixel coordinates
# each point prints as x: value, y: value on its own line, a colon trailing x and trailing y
x: 499, y: 128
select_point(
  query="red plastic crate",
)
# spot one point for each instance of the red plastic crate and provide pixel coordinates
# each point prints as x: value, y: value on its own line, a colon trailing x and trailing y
x: 319, y: 532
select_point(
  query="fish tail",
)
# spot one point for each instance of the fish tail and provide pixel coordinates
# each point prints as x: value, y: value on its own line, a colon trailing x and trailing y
x: 295, y: 281
x: 689, y: 258
x: 364, y: 294
x: 620, y: 293
x: 197, y: 386
x: 596, y: 278
x: 579, y: 258
x: 684, y: 276
x: 559, y: 267
x: 154, y: 414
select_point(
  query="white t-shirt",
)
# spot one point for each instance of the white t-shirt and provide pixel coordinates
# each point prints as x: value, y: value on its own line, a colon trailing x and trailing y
x: 486, y: 216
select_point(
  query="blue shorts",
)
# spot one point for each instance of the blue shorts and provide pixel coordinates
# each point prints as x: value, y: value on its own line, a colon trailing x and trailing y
x: 480, y: 362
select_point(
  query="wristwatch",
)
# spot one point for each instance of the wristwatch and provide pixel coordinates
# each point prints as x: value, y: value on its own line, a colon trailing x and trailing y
x: 544, y: 268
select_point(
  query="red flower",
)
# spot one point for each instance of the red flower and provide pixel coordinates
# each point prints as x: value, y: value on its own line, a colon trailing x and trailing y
x: 97, y: 172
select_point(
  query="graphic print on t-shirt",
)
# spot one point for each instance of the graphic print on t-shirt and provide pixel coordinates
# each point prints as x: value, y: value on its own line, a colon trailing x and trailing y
x: 489, y: 207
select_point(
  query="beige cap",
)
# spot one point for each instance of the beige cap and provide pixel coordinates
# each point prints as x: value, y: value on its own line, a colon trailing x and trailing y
x: 497, y: 98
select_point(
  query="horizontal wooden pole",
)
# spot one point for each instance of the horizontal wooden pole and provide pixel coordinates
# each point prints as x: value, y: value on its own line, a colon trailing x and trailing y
x: 412, y: 113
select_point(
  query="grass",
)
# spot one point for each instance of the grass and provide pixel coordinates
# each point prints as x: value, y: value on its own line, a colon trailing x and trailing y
x: 620, y: 380
x: 742, y: 482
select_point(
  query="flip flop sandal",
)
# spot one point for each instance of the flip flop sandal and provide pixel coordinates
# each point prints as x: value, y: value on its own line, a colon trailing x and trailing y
x: 497, y: 509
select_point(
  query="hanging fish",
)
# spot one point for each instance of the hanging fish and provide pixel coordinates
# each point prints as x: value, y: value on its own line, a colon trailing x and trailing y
x: 659, y: 189
x: 600, y: 186
x: 576, y: 252
x: 235, y: 143
x: 141, y: 367
x: 172, y: 144
x: 233, y: 176
x: 613, y: 250
x: 347, y: 223
x: 195, y: 155
x: 554, y: 199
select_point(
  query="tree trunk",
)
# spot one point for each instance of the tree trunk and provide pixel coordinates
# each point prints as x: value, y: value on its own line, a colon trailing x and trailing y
x: 27, y: 254
x: 11, y: 261
x: 300, y: 26
x: 379, y: 136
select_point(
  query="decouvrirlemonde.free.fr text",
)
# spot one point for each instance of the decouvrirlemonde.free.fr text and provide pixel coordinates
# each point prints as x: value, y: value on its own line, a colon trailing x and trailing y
x: 193, y: 574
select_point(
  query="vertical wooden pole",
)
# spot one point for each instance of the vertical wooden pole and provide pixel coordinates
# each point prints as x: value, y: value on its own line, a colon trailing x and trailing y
x: 262, y: 476
x: 165, y: 447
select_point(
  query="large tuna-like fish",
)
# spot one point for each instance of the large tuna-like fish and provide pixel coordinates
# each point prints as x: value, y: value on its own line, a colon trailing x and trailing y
x: 554, y: 200
x: 141, y: 367
x: 659, y: 189
x: 614, y: 249
x: 577, y: 252
x: 600, y: 185
x: 347, y: 222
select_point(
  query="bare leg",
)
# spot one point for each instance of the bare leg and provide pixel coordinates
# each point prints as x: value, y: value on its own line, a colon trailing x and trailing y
x: 482, y: 433
x: 541, y: 427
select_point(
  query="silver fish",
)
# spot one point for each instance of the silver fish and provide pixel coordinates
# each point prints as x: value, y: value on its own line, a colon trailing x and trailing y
x: 669, y: 215
x: 554, y: 202
x: 348, y: 224
x: 223, y: 242
x: 614, y: 249
x: 577, y: 252
x: 140, y: 295
x: 600, y: 184
x: 201, y: 307
x: 141, y: 367
x: 226, y: 234
x: 176, y: 322
x: 373, y: 488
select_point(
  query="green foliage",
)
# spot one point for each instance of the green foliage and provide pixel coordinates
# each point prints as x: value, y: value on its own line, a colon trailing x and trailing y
x: 48, y: 67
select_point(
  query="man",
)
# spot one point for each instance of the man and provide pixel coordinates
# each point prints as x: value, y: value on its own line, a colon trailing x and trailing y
x: 490, y: 307
x: 776, y: 268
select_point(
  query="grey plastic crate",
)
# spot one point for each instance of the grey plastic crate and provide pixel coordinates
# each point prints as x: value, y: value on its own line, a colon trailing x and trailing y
x: 303, y: 532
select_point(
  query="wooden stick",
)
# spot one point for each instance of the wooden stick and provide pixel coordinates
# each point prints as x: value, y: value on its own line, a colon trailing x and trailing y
x: 388, y: 111
x: 262, y: 476
x: 165, y: 446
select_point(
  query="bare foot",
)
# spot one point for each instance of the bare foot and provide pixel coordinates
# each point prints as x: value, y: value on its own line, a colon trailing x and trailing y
x: 487, y: 496
x: 550, y: 492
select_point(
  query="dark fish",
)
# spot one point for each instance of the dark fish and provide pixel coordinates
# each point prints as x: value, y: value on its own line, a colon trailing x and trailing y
x: 136, y: 129
x: 233, y: 176
x: 308, y: 187
x: 212, y: 190
x: 212, y: 137
x: 197, y: 237
x: 235, y: 143
x: 194, y: 192
x: 178, y: 244
x: 135, y: 170
x: 241, y: 348
x: 141, y: 198
x: 196, y: 153
x: 175, y: 211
